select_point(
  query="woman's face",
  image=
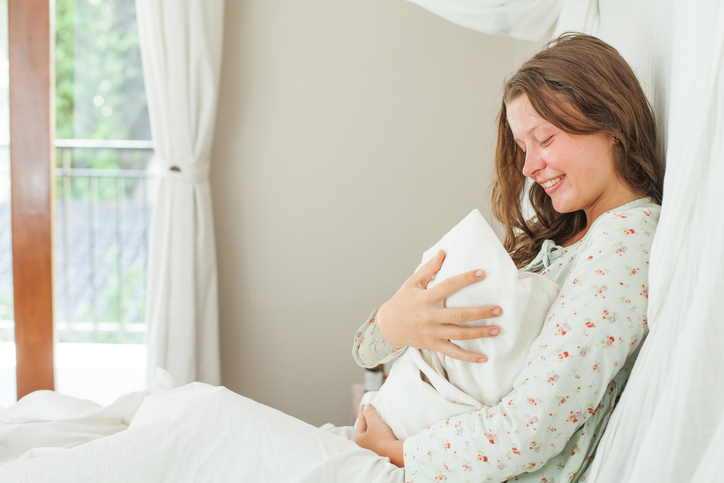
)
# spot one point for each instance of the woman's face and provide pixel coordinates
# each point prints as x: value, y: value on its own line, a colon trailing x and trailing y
x: 576, y: 171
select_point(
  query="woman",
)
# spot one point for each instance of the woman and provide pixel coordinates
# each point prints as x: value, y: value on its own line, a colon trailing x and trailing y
x: 576, y: 130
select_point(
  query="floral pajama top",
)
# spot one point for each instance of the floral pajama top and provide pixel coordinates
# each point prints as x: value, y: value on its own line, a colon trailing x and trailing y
x: 548, y: 427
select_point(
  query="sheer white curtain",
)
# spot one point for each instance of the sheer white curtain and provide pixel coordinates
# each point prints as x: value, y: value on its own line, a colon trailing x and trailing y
x: 522, y: 19
x: 669, y: 424
x: 181, y: 43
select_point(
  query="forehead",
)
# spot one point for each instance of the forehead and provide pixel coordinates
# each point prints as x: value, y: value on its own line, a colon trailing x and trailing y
x: 522, y: 118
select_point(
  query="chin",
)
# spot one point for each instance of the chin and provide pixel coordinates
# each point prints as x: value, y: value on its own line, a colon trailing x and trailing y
x: 563, y: 207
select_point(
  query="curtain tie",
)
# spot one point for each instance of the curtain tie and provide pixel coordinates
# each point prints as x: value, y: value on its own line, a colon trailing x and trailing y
x: 186, y: 171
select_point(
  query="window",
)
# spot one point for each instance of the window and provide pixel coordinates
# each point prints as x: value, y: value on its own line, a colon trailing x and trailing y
x: 7, y: 326
x: 102, y: 195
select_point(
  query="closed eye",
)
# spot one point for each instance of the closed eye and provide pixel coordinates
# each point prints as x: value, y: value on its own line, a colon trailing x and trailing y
x: 546, y: 141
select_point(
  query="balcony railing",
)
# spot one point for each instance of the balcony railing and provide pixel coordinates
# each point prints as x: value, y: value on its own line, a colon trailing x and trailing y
x: 103, y: 197
x: 103, y: 205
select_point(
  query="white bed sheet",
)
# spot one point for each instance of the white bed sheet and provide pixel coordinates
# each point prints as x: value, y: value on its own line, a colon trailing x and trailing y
x: 193, y: 433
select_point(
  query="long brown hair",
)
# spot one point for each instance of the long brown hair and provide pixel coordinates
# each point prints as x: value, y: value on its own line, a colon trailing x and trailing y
x: 581, y: 85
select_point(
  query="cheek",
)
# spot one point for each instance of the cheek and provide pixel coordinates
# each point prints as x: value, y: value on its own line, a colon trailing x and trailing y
x: 601, y: 158
x: 582, y: 168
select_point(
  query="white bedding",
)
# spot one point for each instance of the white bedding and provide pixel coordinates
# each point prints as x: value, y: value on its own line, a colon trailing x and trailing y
x: 196, y: 432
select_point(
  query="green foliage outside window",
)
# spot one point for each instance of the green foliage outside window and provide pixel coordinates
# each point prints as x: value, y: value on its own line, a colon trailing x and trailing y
x: 99, y: 96
x: 99, y: 81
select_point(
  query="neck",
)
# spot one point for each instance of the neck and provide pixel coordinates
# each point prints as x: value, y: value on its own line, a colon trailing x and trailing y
x: 600, y: 207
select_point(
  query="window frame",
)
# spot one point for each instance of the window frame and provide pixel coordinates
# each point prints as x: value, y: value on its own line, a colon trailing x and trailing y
x: 30, y: 44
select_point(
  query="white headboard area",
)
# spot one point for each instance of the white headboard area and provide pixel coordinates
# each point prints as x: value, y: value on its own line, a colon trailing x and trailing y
x: 669, y: 424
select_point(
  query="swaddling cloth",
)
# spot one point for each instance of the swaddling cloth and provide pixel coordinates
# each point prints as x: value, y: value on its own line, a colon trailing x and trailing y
x: 425, y: 387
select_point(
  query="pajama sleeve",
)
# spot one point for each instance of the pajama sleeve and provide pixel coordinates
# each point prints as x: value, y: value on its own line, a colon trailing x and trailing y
x: 370, y: 348
x: 595, y: 325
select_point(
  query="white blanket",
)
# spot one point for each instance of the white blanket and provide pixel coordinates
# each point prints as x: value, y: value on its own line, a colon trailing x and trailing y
x: 425, y: 387
x: 193, y: 433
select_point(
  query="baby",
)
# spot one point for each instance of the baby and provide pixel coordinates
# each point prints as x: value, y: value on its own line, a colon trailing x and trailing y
x: 425, y: 387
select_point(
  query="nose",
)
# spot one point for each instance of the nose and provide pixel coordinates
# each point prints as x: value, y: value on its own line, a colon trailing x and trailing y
x: 533, y: 162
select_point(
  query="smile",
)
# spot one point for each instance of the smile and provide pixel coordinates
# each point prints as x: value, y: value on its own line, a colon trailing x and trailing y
x: 552, y: 182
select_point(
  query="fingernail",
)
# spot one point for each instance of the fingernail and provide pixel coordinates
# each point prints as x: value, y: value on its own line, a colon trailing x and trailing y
x: 494, y: 332
x: 496, y: 312
x: 483, y: 359
x: 479, y: 274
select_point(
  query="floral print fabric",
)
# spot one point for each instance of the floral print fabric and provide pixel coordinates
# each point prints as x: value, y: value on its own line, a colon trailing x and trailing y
x: 547, y: 428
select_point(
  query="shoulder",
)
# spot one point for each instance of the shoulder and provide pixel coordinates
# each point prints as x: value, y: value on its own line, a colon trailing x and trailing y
x: 619, y: 240
x: 633, y: 222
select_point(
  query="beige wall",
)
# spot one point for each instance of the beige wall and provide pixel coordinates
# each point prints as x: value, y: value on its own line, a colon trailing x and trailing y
x: 351, y: 135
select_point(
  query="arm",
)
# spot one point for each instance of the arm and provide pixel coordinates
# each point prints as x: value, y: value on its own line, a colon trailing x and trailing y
x: 417, y: 317
x: 562, y: 398
x: 370, y: 348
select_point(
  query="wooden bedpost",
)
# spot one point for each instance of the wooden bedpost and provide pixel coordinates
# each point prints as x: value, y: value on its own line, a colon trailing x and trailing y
x: 31, y: 159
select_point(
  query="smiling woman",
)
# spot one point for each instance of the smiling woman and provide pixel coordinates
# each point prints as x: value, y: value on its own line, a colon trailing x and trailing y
x: 576, y: 171
x: 576, y: 123
x: 593, y: 126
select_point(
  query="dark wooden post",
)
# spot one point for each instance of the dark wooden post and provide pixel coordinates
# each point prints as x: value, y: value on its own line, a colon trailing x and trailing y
x: 31, y: 159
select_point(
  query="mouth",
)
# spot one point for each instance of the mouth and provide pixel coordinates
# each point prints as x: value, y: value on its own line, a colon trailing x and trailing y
x: 552, y: 184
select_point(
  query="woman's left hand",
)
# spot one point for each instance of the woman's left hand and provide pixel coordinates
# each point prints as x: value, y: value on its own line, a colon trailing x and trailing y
x: 372, y: 433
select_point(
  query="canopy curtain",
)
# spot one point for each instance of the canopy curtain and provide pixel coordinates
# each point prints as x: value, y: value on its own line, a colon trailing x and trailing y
x: 669, y: 424
x: 522, y: 19
x: 181, y: 42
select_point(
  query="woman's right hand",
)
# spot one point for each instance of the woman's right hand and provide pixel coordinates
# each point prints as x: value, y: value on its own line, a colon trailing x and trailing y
x: 417, y: 317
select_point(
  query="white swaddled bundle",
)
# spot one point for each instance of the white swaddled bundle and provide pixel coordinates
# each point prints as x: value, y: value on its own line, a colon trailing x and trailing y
x: 425, y: 387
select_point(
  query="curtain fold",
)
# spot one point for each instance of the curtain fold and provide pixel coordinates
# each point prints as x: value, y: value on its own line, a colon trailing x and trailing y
x: 536, y: 20
x: 181, y: 44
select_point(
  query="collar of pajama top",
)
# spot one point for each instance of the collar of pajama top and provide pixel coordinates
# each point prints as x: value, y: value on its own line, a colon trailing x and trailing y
x: 551, y: 253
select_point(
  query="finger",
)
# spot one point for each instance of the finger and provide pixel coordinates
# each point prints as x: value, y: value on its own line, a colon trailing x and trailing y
x: 370, y: 411
x: 451, y: 350
x: 361, y: 420
x: 455, y: 332
x: 371, y: 416
x: 425, y: 273
x: 459, y: 315
x: 446, y: 288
